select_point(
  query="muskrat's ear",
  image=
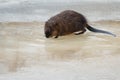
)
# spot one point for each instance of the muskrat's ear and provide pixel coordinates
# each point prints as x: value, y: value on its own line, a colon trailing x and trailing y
x: 54, y: 23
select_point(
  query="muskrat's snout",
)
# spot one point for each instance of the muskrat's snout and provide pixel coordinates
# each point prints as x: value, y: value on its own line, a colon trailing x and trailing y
x: 47, y: 34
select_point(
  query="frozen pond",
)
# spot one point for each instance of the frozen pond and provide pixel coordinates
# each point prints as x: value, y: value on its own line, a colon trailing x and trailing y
x: 25, y: 53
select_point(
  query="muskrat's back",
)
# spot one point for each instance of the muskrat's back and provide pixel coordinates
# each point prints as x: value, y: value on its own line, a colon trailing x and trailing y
x: 69, y: 16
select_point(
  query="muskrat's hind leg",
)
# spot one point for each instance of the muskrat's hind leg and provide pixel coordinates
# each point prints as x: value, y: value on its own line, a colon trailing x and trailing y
x: 81, y: 32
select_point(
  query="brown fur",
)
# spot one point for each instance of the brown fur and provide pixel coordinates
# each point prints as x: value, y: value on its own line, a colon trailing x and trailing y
x: 67, y: 22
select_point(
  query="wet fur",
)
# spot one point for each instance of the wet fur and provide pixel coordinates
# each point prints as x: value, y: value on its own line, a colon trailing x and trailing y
x: 67, y: 22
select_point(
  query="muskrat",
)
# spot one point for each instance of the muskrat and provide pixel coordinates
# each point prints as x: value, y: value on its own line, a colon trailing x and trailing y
x: 68, y: 22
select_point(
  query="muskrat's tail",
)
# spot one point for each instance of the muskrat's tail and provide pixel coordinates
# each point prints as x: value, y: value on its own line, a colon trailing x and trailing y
x: 99, y: 31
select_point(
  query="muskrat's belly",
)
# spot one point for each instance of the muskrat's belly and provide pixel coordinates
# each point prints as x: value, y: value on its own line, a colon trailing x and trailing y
x: 69, y: 29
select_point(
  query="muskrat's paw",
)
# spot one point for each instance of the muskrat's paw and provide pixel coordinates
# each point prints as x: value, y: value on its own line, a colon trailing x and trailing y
x: 56, y: 36
x: 79, y: 32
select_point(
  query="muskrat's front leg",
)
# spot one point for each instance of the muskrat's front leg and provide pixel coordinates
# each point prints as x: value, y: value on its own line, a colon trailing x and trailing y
x: 56, y: 36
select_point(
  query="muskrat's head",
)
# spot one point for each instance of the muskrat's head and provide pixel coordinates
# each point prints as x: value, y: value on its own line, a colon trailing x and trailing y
x: 49, y: 29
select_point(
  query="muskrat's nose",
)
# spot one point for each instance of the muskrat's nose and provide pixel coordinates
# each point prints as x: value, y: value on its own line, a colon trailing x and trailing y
x: 47, y: 36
